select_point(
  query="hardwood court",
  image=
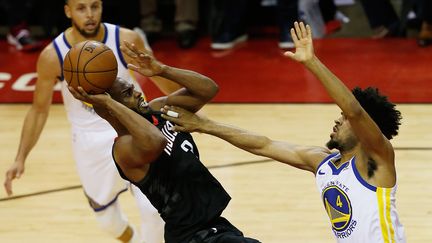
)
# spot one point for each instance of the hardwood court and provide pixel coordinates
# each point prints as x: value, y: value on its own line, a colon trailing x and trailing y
x: 271, y: 201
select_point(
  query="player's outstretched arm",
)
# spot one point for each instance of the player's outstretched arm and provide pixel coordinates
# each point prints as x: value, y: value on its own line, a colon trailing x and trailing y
x: 36, y: 117
x: 197, y: 89
x: 302, y: 157
x: 372, y: 140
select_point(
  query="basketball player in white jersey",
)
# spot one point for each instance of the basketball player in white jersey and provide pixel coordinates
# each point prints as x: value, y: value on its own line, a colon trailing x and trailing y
x: 92, y: 135
x: 358, y: 182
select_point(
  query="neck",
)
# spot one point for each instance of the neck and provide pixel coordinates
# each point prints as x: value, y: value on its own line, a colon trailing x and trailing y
x: 347, y: 155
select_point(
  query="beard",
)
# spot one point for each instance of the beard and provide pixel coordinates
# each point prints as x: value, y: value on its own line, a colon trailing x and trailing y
x: 332, y: 144
x: 347, y: 145
x: 87, y: 34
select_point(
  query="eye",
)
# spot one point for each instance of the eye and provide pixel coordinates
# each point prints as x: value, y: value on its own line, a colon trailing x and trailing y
x: 127, y: 92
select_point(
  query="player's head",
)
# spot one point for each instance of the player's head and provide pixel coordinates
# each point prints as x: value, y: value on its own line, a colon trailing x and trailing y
x: 125, y: 93
x: 85, y: 16
x: 382, y: 111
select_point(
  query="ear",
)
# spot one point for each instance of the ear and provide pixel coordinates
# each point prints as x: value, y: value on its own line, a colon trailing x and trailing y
x: 67, y: 11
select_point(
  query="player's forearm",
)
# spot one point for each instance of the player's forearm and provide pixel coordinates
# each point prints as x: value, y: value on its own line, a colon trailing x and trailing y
x: 334, y: 86
x: 166, y: 86
x: 196, y: 84
x: 34, y: 123
x: 136, y: 125
x: 238, y: 137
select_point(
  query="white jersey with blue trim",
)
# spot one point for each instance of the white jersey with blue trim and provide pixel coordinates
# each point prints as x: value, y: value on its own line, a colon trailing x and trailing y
x: 81, y: 115
x: 358, y: 211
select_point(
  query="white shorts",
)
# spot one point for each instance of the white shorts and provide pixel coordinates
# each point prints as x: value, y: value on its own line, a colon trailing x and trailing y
x: 98, y: 174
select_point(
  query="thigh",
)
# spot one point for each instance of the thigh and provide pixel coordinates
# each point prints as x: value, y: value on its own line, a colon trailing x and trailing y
x: 97, y: 171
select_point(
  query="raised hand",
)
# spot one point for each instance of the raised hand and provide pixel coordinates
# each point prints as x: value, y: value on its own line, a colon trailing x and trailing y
x: 142, y: 60
x: 302, y: 37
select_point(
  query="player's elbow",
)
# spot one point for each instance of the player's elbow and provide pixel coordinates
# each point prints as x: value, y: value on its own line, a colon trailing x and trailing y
x: 211, y: 87
x: 355, y: 110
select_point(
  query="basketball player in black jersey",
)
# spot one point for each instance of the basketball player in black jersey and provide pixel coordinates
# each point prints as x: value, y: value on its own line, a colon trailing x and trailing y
x: 164, y: 164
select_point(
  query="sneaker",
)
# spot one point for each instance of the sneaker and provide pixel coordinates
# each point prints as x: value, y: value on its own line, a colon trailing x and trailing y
x: 23, y: 41
x: 227, y: 41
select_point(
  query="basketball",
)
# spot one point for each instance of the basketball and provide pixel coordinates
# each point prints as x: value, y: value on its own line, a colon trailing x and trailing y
x: 91, y: 65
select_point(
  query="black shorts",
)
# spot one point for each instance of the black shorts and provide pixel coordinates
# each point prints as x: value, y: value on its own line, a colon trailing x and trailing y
x: 221, y: 231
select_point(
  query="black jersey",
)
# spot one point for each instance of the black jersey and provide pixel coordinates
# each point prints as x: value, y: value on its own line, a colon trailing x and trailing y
x: 180, y: 187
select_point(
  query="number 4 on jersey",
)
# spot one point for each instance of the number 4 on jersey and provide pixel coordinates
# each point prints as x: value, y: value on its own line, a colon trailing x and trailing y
x: 339, y: 202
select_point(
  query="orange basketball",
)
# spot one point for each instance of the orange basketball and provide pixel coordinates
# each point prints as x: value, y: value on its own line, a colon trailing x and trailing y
x: 91, y: 65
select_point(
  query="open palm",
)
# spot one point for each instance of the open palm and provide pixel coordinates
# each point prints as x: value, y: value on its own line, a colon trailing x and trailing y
x: 142, y: 61
x: 302, y: 37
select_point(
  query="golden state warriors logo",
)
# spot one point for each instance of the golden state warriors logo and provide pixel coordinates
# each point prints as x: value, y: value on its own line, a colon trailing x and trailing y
x: 338, y: 207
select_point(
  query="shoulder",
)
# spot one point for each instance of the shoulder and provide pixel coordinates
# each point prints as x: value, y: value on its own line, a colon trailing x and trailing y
x: 48, y: 53
x: 316, y: 155
x: 130, y: 36
x: 48, y: 60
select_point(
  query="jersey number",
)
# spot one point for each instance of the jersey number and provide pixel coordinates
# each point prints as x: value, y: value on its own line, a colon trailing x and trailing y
x: 187, y: 146
x: 339, y: 202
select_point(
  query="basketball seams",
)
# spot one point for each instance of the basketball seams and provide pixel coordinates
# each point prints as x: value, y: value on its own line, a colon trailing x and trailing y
x: 84, y: 69
x: 78, y: 61
x: 109, y: 70
x: 70, y: 71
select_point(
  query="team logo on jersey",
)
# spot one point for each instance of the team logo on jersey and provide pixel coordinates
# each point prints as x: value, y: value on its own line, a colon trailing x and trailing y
x: 338, y: 207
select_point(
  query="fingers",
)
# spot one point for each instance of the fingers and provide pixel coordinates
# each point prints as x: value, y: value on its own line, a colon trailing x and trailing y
x: 129, y: 49
x: 289, y: 54
x: 297, y: 30
x: 8, y: 182
x: 300, y: 31
x: 303, y: 30
x: 172, y: 114
x: 77, y: 92
x: 133, y: 67
x: 309, y: 31
x: 144, y: 57
x: 294, y: 37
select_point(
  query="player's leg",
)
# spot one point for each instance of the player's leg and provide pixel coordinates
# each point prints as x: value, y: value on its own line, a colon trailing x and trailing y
x: 152, y: 225
x: 101, y: 181
x: 221, y: 231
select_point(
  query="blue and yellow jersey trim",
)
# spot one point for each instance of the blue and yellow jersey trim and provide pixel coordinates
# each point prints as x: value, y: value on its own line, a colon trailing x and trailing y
x: 384, y: 207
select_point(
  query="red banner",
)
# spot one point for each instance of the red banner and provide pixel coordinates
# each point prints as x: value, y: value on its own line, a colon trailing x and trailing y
x: 18, y: 75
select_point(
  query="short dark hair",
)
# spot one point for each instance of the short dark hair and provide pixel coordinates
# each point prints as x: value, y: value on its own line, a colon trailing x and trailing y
x: 380, y: 109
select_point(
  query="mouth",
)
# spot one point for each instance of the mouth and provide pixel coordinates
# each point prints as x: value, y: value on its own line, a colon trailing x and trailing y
x: 91, y: 25
x: 142, y: 104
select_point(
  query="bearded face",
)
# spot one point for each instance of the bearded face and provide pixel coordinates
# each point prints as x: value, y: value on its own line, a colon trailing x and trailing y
x: 85, y: 16
x: 342, y: 138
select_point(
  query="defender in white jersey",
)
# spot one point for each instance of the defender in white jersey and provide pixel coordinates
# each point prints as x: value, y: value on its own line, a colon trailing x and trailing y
x: 357, y: 183
x: 92, y: 135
